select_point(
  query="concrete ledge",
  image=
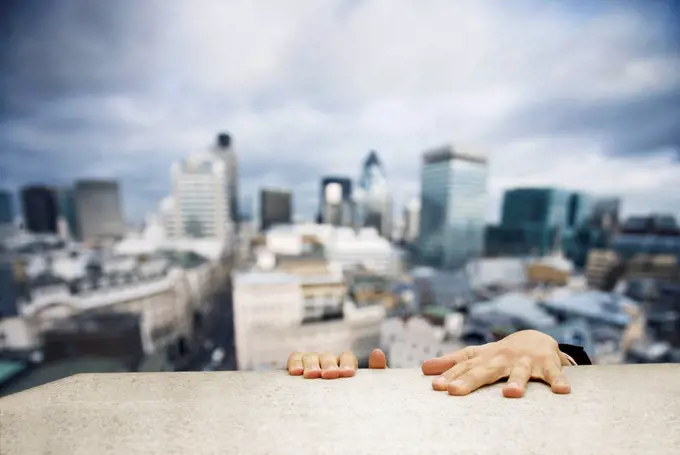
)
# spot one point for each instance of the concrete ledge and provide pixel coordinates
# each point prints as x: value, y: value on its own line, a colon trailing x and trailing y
x: 629, y: 409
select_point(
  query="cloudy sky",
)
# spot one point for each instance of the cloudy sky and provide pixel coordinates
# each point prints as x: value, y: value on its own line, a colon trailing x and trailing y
x: 576, y: 94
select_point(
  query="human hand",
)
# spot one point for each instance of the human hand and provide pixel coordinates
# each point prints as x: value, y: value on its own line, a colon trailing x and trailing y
x: 313, y: 365
x: 522, y: 356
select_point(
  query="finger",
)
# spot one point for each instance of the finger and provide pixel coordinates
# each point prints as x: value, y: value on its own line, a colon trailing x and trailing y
x: 554, y: 376
x: 329, y: 366
x: 518, y: 379
x: 377, y: 360
x: 443, y: 381
x: 294, y: 364
x: 477, y: 377
x: 439, y: 365
x: 310, y: 361
x: 348, y: 364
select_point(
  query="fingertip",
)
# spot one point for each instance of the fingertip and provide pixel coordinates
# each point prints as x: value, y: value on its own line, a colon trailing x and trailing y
x: 457, y: 388
x: 347, y: 372
x: 312, y: 373
x: 432, y: 366
x: 296, y: 371
x: 513, y: 392
x: 561, y: 388
x: 440, y: 384
x: 377, y: 359
x: 332, y: 373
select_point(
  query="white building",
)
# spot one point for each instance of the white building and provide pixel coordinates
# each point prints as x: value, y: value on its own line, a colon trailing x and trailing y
x: 271, y: 311
x: 411, y: 222
x: 343, y: 246
x: 205, y: 193
x: 166, y: 217
x: 285, y: 239
x: 408, y: 343
x: 366, y: 248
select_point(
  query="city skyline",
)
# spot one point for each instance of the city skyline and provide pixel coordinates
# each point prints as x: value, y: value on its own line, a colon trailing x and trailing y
x: 589, y: 107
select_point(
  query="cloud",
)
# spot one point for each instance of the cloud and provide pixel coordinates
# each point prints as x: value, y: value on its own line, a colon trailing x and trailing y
x: 120, y: 89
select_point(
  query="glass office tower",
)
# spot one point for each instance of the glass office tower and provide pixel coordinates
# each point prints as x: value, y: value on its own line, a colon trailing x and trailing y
x: 453, y: 206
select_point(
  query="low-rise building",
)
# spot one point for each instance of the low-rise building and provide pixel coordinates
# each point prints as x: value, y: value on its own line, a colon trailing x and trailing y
x: 298, y: 307
x: 408, y: 342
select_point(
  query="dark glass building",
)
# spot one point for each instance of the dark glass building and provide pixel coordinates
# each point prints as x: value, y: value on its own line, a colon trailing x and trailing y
x: 276, y: 207
x: 6, y: 207
x: 453, y: 202
x: 40, y: 209
x: 539, y: 220
x: 9, y: 287
x: 67, y: 210
x: 654, y: 235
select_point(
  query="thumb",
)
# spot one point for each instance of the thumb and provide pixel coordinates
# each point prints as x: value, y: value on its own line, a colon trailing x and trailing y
x: 377, y: 360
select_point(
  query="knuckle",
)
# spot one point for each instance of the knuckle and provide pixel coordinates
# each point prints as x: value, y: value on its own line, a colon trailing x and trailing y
x: 505, y: 351
x: 544, y: 359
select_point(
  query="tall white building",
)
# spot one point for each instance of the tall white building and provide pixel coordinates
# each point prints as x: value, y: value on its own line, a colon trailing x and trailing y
x: 205, y: 193
x: 411, y: 221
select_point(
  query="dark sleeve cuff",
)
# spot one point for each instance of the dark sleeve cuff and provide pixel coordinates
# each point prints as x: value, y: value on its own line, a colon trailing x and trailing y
x: 577, y: 353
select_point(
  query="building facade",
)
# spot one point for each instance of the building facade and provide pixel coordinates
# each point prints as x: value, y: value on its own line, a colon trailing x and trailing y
x: 40, y: 209
x: 538, y: 221
x: 98, y: 209
x: 453, y: 206
x: 67, y: 212
x: 9, y: 288
x: 336, y: 205
x: 374, y: 202
x: 276, y: 207
x: 276, y: 313
x: 204, y: 193
x: 6, y: 214
x: 364, y: 248
x: 6, y: 208
x: 605, y: 213
x: 411, y: 221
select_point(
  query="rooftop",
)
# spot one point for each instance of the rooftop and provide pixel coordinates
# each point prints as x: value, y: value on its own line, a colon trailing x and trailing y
x: 376, y: 412
x: 250, y: 278
x: 514, y: 305
x: 595, y: 305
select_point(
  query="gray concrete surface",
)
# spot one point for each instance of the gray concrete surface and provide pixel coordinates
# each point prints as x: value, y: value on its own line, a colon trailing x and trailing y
x: 612, y: 410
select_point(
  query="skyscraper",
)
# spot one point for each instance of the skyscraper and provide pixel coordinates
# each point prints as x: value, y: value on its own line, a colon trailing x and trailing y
x: 6, y: 213
x: 98, y: 209
x: 605, y: 213
x: 67, y: 210
x: 223, y: 148
x: 411, y: 221
x: 6, y: 208
x: 205, y: 192
x: 40, y: 209
x: 9, y: 287
x: 335, y: 201
x: 374, y: 200
x: 276, y: 207
x: 453, y: 204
